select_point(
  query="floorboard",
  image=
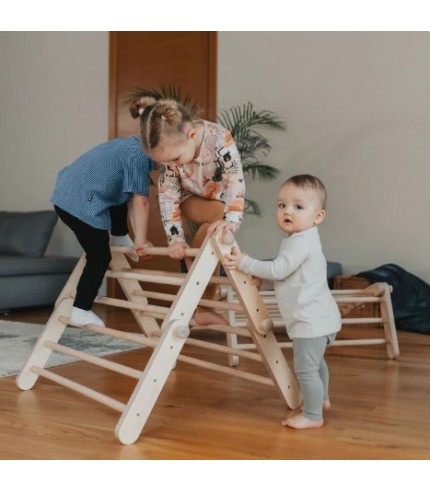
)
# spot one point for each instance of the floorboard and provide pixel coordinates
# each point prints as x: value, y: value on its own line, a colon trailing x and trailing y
x: 380, y: 409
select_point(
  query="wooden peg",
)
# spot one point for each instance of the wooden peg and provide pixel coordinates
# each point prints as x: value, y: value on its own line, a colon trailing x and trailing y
x: 228, y: 238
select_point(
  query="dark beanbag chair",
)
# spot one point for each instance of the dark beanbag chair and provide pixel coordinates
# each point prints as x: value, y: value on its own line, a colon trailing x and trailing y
x: 410, y: 297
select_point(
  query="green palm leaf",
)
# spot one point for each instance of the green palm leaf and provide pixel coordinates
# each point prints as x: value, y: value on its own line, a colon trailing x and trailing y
x: 262, y: 171
x: 252, y: 207
x: 243, y: 121
x: 253, y: 146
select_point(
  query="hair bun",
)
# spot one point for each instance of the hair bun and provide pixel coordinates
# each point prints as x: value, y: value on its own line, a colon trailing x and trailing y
x: 169, y: 111
x: 137, y: 106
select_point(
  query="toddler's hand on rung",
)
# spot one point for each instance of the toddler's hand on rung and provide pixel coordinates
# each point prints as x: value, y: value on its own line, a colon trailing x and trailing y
x: 256, y: 281
x: 233, y: 260
x: 177, y: 250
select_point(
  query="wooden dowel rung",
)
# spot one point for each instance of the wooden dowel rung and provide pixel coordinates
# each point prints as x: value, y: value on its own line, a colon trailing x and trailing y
x: 219, y: 305
x: 203, y: 302
x: 358, y: 342
x: 150, y: 278
x: 155, y: 251
x: 230, y: 371
x: 155, y: 272
x: 126, y: 304
x: 250, y: 346
x: 101, y: 362
x: 168, y: 297
x: 286, y: 344
x: 267, y: 293
x: 136, y: 338
x: 81, y: 389
x: 216, y: 347
x: 276, y: 323
x: 114, y: 333
x: 239, y: 331
x: 345, y: 321
x: 343, y: 342
x: 362, y: 320
x: 219, y: 280
x: 345, y: 292
x: 351, y: 299
x: 358, y: 299
x: 270, y: 301
x: 271, y: 293
x: 339, y: 342
x: 223, y: 349
x: 373, y: 290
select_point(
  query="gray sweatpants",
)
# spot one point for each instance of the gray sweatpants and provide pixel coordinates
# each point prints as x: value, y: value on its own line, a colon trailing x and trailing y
x: 312, y: 373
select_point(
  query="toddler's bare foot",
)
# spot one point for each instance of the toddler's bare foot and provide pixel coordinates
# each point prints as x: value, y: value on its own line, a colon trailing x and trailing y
x: 326, y: 404
x: 299, y: 422
x: 207, y: 317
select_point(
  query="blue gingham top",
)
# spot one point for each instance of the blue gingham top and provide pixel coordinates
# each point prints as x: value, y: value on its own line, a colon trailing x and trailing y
x: 105, y: 176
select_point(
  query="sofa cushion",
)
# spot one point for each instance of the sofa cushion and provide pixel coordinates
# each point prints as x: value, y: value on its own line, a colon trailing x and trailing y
x: 28, y: 266
x: 333, y: 269
x: 17, y: 292
x: 26, y: 233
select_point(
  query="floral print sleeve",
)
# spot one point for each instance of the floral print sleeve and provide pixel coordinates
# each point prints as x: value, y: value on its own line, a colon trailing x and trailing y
x: 233, y: 193
x: 169, y: 197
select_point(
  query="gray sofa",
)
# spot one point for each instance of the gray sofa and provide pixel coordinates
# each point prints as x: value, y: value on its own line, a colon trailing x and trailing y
x: 29, y: 278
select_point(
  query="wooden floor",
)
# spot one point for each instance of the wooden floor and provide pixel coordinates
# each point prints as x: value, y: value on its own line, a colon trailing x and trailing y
x: 380, y: 409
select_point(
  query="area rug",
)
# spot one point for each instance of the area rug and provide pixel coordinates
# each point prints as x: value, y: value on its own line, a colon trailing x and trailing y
x: 18, y: 338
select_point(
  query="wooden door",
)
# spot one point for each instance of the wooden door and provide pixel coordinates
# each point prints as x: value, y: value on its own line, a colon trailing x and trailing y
x: 185, y: 59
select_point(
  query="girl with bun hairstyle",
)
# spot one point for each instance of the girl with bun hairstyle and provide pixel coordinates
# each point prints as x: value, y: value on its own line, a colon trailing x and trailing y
x: 201, y: 177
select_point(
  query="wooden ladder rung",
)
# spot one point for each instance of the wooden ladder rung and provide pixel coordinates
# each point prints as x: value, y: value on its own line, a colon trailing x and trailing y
x: 338, y: 342
x: 345, y: 342
x: 230, y: 371
x: 223, y: 349
x: 140, y: 339
x: 81, y: 389
x: 358, y: 342
x: 100, y: 362
x: 215, y: 304
x: 358, y: 299
x: 154, y: 251
x: 217, y: 347
x: 126, y: 304
x: 362, y: 320
x: 239, y: 331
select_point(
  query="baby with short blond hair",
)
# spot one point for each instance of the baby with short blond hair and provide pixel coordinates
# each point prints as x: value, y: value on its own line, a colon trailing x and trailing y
x: 299, y: 273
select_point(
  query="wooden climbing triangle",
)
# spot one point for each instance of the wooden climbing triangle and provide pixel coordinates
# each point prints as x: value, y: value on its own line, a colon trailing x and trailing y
x: 167, y: 340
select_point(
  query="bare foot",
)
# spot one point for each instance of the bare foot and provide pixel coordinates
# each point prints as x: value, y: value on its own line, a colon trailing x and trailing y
x: 207, y: 317
x: 299, y: 422
x: 326, y: 404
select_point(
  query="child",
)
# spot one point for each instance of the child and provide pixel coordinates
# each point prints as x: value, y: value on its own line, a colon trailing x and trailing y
x: 91, y: 196
x: 307, y: 307
x: 201, y: 178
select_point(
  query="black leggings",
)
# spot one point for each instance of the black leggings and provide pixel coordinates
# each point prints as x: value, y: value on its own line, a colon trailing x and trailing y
x: 118, y: 216
x: 95, y: 243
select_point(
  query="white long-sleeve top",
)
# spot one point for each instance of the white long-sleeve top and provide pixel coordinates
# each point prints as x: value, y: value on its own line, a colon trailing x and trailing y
x: 300, y: 280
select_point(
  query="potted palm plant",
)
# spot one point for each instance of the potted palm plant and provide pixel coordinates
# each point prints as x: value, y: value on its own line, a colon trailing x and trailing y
x: 245, y: 124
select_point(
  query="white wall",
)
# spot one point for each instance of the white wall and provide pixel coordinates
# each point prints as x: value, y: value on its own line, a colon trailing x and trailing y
x: 54, y: 106
x: 357, y: 106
